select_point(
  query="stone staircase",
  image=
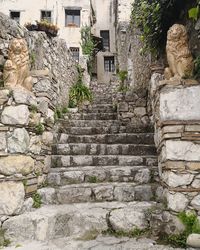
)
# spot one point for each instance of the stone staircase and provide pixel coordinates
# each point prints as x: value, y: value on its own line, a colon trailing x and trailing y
x: 103, y: 176
x: 96, y: 159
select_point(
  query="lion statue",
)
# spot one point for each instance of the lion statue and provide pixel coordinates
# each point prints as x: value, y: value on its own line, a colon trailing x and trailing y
x: 179, y: 56
x: 16, y: 69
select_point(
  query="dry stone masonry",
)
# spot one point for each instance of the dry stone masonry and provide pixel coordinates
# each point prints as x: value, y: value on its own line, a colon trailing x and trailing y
x: 176, y: 117
x: 27, y: 118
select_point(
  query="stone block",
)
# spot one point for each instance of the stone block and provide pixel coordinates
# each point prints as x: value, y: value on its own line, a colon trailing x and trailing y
x: 124, y: 193
x: 23, y: 96
x: 193, y: 240
x: 177, y: 202
x: 140, y: 111
x: 3, y: 141
x: 180, y: 104
x: 182, y: 150
x: 103, y: 193
x: 19, y: 141
x: 175, y: 180
x: 4, y: 96
x: 196, y: 202
x: 15, y: 115
x: 173, y: 129
x: 12, y: 197
x: 193, y: 166
x: 131, y: 217
x: 192, y: 128
x: 19, y: 164
x: 123, y: 107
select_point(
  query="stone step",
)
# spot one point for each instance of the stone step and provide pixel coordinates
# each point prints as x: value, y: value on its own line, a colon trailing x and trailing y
x: 100, y: 192
x: 78, y: 220
x: 94, y: 116
x: 92, y: 123
x: 96, y: 174
x: 103, y: 149
x: 130, y: 138
x: 99, y: 108
x: 66, y: 161
x: 88, y: 130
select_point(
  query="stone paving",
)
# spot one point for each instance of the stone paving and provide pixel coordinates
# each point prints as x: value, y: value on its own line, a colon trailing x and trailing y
x: 101, y: 243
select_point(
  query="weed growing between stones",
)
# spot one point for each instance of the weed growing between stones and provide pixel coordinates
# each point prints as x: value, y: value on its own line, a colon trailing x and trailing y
x: 92, y: 179
x: 33, y: 108
x: 192, y: 225
x: 37, y: 200
x: 39, y: 129
x: 4, y: 242
x: 136, y: 232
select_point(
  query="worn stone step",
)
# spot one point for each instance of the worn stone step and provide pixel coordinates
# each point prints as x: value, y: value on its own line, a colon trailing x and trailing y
x: 102, y: 160
x: 101, y: 192
x: 78, y: 220
x: 100, y: 108
x: 103, y: 149
x: 88, y: 130
x: 92, y: 123
x: 94, y: 116
x: 96, y: 174
x: 124, y: 138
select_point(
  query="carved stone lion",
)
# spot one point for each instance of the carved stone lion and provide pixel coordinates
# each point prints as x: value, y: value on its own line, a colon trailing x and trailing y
x: 16, y: 69
x: 178, y: 54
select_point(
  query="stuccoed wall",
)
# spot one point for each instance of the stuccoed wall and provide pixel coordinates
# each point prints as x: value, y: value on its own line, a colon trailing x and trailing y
x: 176, y: 117
x: 27, y: 118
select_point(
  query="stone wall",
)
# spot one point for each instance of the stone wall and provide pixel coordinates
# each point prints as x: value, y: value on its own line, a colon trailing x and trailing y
x: 27, y: 118
x: 132, y: 107
x: 176, y: 117
x: 45, y: 53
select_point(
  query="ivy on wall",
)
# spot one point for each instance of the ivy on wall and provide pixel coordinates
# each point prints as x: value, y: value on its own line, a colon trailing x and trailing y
x: 153, y: 18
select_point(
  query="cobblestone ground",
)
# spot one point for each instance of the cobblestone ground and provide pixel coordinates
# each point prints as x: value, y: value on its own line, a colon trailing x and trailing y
x: 101, y: 243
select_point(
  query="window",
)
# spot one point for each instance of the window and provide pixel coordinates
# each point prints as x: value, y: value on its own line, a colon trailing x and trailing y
x: 15, y: 15
x: 106, y: 39
x: 109, y: 63
x: 46, y: 15
x: 72, y: 18
x: 75, y: 53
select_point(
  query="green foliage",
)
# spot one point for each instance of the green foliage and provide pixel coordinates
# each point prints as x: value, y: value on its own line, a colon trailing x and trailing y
x: 79, y: 92
x: 175, y: 240
x: 192, y: 225
x: 197, y: 68
x: 58, y: 113
x: 87, y: 43
x: 39, y: 129
x: 190, y: 221
x: 37, y: 200
x: 153, y: 18
x: 123, y: 74
x: 92, y: 179
x: 32, y: 59
x: 4, y: 242
x: 33, y: 108
x: 136, y: 232
x: 193, y: 13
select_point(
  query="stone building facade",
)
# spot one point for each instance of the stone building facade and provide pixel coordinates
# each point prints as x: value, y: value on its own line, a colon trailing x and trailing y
x: 70, y: 16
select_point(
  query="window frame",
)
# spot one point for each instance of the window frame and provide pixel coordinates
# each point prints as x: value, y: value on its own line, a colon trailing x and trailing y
x: 75, y: 49
x: 50, y: 20
x: 15, y: 19
x: 73, y: 23
x: 109, y: 64
x: 107, y: 39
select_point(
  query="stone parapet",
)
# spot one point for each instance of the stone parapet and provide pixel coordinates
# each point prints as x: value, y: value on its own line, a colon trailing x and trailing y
x: 26, y: 137
x: 176, y: 120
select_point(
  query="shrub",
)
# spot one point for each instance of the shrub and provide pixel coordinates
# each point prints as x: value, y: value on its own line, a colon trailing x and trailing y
x: 39, y: 129
x: 79, y: 92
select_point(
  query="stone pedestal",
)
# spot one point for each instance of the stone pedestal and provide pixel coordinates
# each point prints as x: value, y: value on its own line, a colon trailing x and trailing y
x: 176, y: 115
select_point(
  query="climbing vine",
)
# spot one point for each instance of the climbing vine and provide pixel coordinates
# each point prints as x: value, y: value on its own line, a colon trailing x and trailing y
x: 153, y: 18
